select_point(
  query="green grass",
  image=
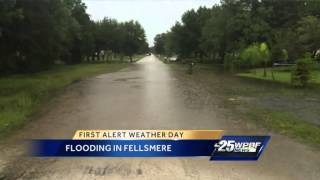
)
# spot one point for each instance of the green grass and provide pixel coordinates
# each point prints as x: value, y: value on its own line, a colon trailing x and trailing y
x: 161, y: 58
x: 117, y: 59
x: 21, y: 95
x: 282, y: 75
x: 286, y: 123
x: 138, y: 57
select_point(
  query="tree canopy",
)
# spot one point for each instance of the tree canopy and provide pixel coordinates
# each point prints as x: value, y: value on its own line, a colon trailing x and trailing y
x: 227, y: 29
x: 35, y: 34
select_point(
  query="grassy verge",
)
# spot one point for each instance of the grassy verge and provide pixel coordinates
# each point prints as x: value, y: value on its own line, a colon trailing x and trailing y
x: 138, y: 57
x: 118, y: 59
x: 161, y: 58
x: 282, y: 75
x: 287, y: 124
x: 20, y: 95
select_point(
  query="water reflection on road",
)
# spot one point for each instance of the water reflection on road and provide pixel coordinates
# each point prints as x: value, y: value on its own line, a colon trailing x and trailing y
x: 147, y: 95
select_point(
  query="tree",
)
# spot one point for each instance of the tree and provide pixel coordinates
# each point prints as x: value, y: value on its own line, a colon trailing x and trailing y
x: 213, y: 34
x: 159, y: 43
x: 265, y: 57
x: 35, y: 34
x: 193, y: 21
x: 254, y: 55
x: 8, y: 15
x: 232, y: 26
x: 134, y: 38
x: 38, y: 37
x: 107, y: 37
x: 80, y: 32
x: 301, y: 75
x: 284, y: 56
x: 251, y: 56
x: 308, y: 32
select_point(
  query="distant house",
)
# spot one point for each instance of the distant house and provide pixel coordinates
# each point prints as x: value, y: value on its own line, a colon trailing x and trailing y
x: 173, y: 58
x: 317, y: 55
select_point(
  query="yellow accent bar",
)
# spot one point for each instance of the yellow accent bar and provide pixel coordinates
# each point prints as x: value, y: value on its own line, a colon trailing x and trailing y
x: 147, y: 134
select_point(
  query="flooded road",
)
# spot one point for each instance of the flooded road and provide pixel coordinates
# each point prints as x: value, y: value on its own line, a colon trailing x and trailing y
x: 148, y: 95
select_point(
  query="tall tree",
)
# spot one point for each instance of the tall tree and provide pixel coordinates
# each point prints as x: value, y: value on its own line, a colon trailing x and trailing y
x: 134, y: 38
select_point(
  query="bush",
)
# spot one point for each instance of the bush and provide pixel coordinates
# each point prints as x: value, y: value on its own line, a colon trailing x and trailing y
x: 230, y: 61
x: 255, y: 55
x: 301, y: 74
x: 250, y: 57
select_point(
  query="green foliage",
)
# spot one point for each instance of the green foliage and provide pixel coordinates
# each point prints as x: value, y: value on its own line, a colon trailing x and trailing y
x: 301, y: 75
x: 159, y: 43
x: 184, y: 38
x: 35, y: 34
x: 134, y: 38
x: 288, y: 28
x: 308, y: 33
x: 265, y: 56
x: 231, y: 61
x: 21, y: 95
x: 255, y: 55
x: 251, y: 56
x: 282, y: 74
x: 284, y: 55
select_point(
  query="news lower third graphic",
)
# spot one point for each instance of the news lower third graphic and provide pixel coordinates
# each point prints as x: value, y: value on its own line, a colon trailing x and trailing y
x: 152, y: 143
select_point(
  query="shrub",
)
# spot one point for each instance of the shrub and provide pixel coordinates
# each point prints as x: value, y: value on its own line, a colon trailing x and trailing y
x: 301, y: 74
x: 230, y: 61
x: 250, y: 57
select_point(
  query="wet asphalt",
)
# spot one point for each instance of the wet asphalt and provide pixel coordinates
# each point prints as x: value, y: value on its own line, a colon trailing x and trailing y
x: 147, y: 95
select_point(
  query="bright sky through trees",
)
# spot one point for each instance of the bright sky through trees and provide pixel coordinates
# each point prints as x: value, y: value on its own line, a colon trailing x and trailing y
x: 156, y: 16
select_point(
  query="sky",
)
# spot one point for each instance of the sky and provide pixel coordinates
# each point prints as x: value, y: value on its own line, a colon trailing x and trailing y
x: 156, y: 16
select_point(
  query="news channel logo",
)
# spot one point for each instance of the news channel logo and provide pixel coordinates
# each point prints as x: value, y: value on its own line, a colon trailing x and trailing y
x: 239, y: 147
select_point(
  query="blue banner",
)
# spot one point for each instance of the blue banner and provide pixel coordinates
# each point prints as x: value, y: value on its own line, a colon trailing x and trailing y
x: 227, y: 148
x: 123, y: 148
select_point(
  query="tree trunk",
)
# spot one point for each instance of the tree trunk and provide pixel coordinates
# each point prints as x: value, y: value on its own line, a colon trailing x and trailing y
x: 121, y: 58
x: 264, y: 71
x: 272, y: 75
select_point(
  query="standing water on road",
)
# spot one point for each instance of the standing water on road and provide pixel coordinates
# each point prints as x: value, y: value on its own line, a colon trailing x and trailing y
x: 148, y: 95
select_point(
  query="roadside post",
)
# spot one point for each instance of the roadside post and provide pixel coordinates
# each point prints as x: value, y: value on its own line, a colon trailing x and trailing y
x: 190, y: 68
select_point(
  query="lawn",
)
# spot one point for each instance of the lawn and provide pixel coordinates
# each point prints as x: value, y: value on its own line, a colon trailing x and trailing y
x: 21, y: 95
x: 282, y: 75
x: 289, y: 119
x: 286, y: 123
x: 275, y: 107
